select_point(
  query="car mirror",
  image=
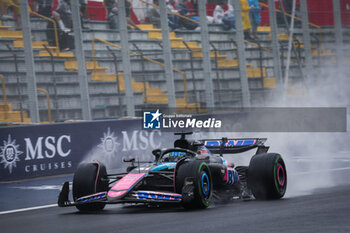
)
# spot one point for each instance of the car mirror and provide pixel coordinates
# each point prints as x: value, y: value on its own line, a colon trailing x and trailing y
x: 157, y: 153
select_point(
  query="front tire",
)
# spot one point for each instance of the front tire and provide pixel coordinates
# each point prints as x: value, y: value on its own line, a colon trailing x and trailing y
x: 88, y: 179
x: 267, y: 176
x: 194, y: 177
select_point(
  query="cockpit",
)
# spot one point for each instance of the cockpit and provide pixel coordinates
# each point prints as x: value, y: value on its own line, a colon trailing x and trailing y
x: 173, y: 156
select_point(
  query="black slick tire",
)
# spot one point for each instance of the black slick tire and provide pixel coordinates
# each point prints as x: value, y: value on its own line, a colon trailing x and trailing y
x: 200, y: 178
x: 267, y: 176
x: 88, y: 179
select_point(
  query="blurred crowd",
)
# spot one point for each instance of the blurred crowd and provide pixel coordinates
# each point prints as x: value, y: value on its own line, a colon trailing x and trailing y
x: 7, y: 10
x: 185, y: 15
x: 182, y: 14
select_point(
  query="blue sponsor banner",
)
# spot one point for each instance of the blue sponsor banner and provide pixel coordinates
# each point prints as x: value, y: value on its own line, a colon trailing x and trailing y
x: 52, y: 149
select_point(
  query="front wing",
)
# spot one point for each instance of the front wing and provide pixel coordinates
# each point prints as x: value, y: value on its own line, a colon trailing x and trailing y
x: 136, y: 196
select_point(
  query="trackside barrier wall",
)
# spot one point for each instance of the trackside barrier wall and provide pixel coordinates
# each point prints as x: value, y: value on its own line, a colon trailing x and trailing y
x: 53, y: 149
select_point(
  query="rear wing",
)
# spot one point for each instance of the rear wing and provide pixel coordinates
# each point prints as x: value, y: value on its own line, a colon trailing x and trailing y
x: 232, y: 146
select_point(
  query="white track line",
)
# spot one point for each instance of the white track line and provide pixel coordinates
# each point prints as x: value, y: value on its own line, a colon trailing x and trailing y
x: 27, y: 209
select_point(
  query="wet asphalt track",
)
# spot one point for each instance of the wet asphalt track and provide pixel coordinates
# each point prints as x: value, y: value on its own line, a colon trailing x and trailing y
x: 326, y: 210
x: 304, y: 209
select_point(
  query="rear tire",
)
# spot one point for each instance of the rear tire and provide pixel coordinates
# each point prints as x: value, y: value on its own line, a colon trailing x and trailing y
x: 200, y: 174
x: 267, y: 176
x: 86, y: 183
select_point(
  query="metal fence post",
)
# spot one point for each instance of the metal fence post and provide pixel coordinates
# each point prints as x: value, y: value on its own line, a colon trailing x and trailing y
x: 79, y: 53
x: 123, y: 32
x: 275, y: 45
x: 241, y: 55
x: 29, y: 63
x: 217, y: 73
x: 306, y: 38
x: 338, y: 33
x: 261, y: 62
x: 290, y: 45
x: 169, y: 75
x: 57, y: 114
x: 120, y: 102
x: 192, y: 75
x: 341, y: 82
x: 209, y: 90
x: 18, y: 82
x: 144, y: 73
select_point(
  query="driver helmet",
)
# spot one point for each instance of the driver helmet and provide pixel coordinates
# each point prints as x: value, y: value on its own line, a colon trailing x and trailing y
x: 202, y: 150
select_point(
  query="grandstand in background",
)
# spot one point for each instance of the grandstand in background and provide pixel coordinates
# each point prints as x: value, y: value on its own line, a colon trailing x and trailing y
x: 57, y: 77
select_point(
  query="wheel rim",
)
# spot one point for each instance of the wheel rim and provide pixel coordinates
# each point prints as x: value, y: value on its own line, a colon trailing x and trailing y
x: 281, y: 178
x: 205, y: 185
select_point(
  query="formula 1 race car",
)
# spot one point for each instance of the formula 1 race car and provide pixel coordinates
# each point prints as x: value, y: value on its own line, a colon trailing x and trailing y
x: 192, y: 174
